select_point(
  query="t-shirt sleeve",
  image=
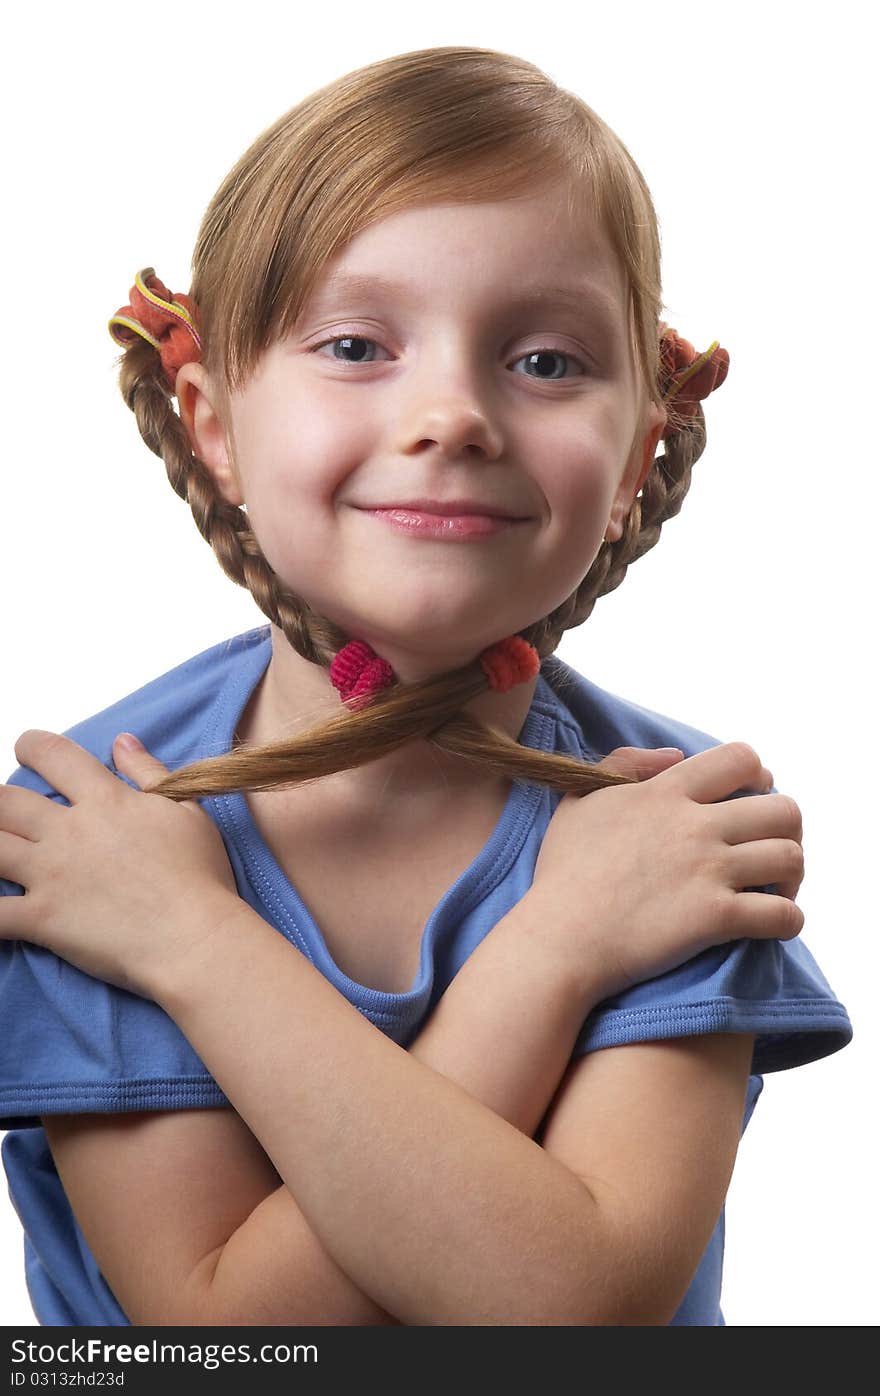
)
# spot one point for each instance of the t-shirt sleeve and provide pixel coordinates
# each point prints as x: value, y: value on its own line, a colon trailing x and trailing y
x: 771, y: 988
x: 71, y: 1044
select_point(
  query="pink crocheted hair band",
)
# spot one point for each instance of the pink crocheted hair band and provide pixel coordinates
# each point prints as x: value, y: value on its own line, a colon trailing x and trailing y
x: 358, y: 672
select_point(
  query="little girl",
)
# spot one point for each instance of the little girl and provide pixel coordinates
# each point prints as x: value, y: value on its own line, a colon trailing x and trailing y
x: 374, y: 1018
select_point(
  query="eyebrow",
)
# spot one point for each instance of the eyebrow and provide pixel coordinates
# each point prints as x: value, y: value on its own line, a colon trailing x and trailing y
x: 585, y: 298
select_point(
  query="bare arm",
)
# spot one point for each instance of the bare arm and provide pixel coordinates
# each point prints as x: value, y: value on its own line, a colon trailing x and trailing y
x: 504, y: 1031
x: 505, y: 1232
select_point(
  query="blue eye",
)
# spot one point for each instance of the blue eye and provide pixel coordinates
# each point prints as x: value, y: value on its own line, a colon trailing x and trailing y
x: 356, y: 339
x: 538, y: 357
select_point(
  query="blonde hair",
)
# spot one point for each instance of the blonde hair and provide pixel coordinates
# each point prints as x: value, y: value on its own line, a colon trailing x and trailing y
x: 436, y: 125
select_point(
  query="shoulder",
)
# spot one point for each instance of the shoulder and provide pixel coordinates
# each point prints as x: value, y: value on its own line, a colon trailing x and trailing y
x: 172, y: 714
x: 606, y: 720
x: 773, y: 989
x: 71, y: 1042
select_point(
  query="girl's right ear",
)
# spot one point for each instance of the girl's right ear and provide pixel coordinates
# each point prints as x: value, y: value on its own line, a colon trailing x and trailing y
x: 203, y: 424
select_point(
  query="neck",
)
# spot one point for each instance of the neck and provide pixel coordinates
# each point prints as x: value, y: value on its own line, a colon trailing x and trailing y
x: 294, y: 696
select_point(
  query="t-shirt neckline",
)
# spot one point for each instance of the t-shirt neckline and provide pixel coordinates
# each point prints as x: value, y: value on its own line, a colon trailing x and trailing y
x: 279, y: 897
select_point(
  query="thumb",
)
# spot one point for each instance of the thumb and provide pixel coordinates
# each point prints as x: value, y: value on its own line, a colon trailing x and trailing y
x: 641, y: 763
x: 132, y: 759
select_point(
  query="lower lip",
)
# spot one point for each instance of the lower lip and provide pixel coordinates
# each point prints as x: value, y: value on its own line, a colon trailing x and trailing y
x: 454, y: 528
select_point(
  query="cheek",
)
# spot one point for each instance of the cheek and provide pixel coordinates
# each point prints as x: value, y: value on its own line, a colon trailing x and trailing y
x: 579, y: 476
x: 291, y: 508
x: 580, y: 491
x: 293, y: 456
x: 579, y: 479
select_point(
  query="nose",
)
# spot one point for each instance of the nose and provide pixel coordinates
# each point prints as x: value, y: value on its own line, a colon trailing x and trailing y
x: 456, y: 430
x: 452, y: 416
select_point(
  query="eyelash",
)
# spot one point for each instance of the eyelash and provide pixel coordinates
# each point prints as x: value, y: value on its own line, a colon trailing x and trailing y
x: 563, y: 353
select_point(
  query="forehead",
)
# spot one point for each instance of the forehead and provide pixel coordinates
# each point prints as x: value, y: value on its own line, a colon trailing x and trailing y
x: 529, y: 249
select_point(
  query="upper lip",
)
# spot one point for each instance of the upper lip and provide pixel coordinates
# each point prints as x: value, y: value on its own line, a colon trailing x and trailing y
x: 450, y: 507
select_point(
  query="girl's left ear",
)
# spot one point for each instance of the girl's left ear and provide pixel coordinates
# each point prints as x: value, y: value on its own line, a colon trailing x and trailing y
x: 656, y: 424
x: 628, y: 489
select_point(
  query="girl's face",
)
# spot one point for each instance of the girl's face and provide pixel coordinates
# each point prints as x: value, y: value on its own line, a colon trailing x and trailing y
x: 477, y: 352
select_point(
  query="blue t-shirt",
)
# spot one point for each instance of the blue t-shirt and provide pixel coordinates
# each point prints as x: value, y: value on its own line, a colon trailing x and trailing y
x: 72, y: 1044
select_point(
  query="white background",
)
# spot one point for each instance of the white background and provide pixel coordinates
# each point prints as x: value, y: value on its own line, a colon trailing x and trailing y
x: 755, y: 616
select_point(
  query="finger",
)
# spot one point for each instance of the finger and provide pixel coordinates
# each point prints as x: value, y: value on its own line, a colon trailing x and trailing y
x: 63, y: 764
x: 16, y: 916
x: 763, y: 916
x: 132, y: 759
x: 768, y: 817
x: 16, y: 861
x: 716, y: 773
x: 776, y: 862
x: 26, y: 812
x: 641, y: 763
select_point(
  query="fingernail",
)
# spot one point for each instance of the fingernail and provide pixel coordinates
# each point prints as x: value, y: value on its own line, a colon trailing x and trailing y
x: 128, y: 742
x: 670, y: 751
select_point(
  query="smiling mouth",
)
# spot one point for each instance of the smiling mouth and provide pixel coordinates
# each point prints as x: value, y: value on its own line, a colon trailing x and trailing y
x: 421, y: 523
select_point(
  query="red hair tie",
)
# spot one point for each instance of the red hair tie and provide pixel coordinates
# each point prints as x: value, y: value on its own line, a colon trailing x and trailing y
x: 689, y: 377
x: 358, y: 672
x: 166, y: 321
x: 509, y: 662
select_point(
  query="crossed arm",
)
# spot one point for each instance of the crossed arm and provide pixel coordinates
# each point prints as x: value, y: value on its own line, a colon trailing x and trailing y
x: 412, y: 1189
x: 503, y: 1031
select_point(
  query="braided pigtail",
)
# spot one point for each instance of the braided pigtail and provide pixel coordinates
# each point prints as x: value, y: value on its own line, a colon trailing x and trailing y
x: 224, y: 526
x: 663, y: 492
x: 683, y: 379
x: 662, y: 496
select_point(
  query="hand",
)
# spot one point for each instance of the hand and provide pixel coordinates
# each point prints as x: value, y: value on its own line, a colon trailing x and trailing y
x: 119, y: 883
x: 635, y: 879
